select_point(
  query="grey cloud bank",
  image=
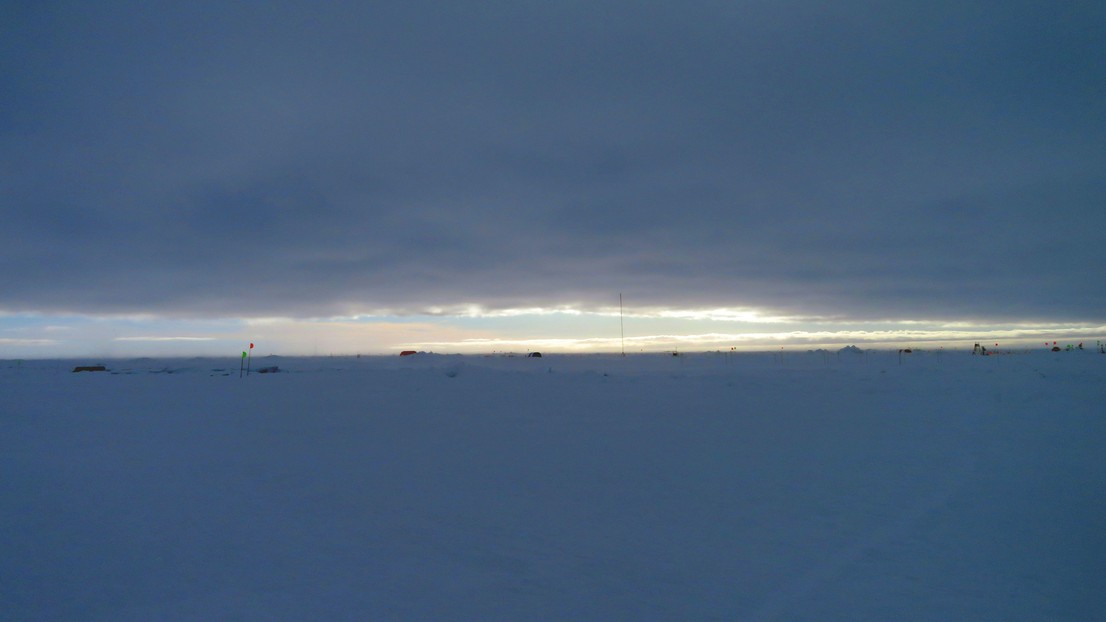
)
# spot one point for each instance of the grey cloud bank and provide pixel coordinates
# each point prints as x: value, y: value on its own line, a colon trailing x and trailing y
x: 867, y: 160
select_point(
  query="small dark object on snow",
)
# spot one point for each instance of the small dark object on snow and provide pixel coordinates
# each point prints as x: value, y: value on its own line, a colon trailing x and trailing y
x: 269, y: 370
x: 1055, y: 348
x: 534, y: 355
x: 407, y: 353
x: 89, y: 368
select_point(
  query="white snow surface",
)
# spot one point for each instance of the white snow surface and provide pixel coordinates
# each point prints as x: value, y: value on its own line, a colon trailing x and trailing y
x: 785, y: 486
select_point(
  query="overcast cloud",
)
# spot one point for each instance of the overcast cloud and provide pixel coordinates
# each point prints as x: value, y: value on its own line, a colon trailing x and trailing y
x: 938, y: 160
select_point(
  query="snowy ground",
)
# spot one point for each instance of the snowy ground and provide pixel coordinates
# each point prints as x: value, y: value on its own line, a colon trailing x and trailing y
x: 703, y: 487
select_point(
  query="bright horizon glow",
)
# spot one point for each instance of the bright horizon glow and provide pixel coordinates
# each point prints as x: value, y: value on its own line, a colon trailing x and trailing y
x: 165, y: 338
x: 770, y: 341
x: 473, y: 330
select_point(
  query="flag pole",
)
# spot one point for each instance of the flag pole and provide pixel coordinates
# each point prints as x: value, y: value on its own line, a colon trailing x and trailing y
x: 248, y: 359
x: 241, y: 363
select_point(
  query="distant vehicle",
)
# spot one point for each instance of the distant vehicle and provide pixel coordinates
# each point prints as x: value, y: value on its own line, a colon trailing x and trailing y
x: 536, y: 355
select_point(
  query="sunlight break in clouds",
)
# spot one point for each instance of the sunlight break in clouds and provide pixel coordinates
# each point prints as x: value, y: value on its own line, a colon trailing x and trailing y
x: 165, y: 339
x: 755, y: 341
x: 750, y: 316
x: 9, y: 342
x: 475, y: 330
x: 481, y: 311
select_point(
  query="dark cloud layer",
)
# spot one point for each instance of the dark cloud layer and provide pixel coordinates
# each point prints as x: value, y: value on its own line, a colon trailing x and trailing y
x: 865, y: 160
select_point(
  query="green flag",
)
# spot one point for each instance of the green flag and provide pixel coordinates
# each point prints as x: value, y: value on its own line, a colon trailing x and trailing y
x: 243, y: 354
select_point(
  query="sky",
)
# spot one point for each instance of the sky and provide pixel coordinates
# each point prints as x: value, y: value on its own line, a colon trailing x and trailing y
x: 350, y: 177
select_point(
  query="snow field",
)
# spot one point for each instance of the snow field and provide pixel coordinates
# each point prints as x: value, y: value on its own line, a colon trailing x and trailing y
x: 705, y: 487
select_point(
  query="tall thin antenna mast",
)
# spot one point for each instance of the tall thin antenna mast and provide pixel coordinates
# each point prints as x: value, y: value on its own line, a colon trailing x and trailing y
x: 621, y: 326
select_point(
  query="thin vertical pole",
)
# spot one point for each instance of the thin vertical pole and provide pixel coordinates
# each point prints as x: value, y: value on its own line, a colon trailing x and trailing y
x: 621, y: 325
